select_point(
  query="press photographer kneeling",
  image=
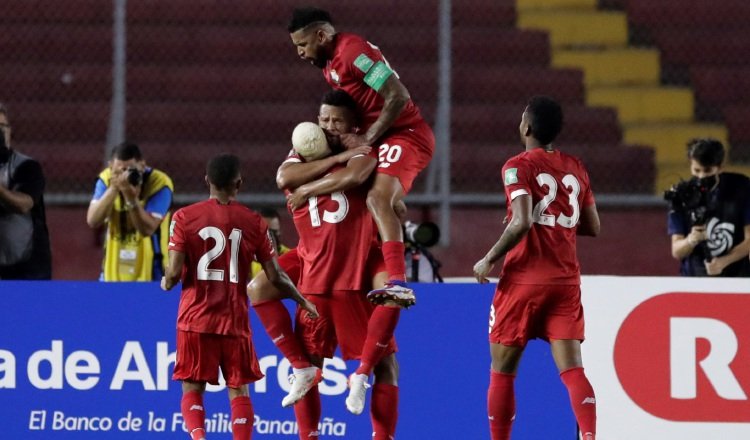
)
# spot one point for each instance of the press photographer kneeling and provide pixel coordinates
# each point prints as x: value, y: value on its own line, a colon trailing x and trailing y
x: 709, y: 217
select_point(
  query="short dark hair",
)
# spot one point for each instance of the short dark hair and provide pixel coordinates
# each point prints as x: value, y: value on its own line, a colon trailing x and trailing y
x: 126, y: 151
x: 303, y: 17
x: 545, y: 118
x: 339, y: 98
x: 222, y: 170
x: 708, y: 152
x: 268, y: 212
x: 4, y: 110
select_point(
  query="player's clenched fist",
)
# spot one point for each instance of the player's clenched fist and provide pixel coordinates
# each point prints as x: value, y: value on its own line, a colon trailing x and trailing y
x: 481, y: 269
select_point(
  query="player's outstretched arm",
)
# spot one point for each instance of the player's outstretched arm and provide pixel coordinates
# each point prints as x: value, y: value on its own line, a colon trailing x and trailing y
x: 284, y: 284
x: 174, y: 270
x: 357, y: 171
x: 291, y: 175
x: 590, y: 224
x: 517, y: 228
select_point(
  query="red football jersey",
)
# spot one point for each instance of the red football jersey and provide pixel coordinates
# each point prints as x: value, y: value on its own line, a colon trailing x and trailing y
x: 559, y: 188
x: 358, y: 68
x: 219, y: 243
x: 336, y: 233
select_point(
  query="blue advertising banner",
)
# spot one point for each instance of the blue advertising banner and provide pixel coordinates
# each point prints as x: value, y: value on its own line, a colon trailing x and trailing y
x: 88, y: 360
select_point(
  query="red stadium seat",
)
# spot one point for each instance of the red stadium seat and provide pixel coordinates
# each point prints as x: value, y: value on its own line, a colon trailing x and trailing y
x: 56, y: 82
x: 508, y: 47
x: 695, y: 13
x: 704, y: 47
x: 484, y: 13
x: 515, y: 84
x: 487, y: 123
x: 55, y: 43
x: 613, y: 168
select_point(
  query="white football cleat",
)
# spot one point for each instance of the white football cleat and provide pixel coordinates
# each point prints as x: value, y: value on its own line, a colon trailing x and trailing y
x: 355, y: 401
x: 302, y: 380
x: 395, y: 292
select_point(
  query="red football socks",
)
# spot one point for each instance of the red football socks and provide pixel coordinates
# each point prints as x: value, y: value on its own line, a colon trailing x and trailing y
x: 194, y: 414
x: 582, y: 400
x: 242, y: 418
x: 393, y: 256
x: 501, y: 405
x: 384, y: 411
x: 308, y: 411
x: 275, y: 318
x: 380, y: 330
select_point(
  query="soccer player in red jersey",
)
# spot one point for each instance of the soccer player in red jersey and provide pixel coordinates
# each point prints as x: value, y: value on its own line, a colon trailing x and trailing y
x: 390, y: 120
x: 337, y: 237
x: 211, y: 245
x: 549, y: 202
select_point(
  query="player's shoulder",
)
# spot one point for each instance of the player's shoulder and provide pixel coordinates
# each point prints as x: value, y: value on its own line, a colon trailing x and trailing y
x: 519, y: 160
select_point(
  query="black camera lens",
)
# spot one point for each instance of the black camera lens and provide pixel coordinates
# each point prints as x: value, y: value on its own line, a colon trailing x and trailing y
x: 424, y: 234
x: 135, y: 177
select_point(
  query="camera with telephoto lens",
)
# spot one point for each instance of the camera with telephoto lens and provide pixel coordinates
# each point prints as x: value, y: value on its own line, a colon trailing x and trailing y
x: 690, y: 197
x: 423, y: 234
x: 135, y: 176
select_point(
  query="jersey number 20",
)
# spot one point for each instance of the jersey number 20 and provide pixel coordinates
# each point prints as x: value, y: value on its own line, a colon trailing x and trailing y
x: 220, y: 243
x: 540, y: 215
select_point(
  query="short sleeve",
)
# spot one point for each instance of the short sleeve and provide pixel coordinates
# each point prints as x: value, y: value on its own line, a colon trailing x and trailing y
x: 159, y: 203
x: 265, y: 250
x: 28, y: 179
x: 176, y: 232
x: 99, y: 188
x: 293, y: 157
x: 676, y: 224
x: 365, y: 62
x: 515, y: 179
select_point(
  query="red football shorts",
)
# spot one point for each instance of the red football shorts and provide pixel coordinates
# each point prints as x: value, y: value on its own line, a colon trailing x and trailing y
x: 343, y: 322
x: 526, y: 311
x: 200, y: 355
x: 291, y: 264
x: 405, y: 152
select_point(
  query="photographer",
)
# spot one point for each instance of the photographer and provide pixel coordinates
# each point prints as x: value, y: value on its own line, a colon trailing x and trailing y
x: 24, y: 241
x: 709, y: 219
x: 133, y: 200
x: 421, y: 265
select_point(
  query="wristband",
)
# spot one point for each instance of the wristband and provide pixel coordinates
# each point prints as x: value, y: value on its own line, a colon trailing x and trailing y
x: 129, y: 205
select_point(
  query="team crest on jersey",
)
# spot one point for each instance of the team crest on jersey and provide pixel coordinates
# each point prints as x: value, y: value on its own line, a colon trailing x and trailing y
x: 334, y: 76
x: 511, y: 176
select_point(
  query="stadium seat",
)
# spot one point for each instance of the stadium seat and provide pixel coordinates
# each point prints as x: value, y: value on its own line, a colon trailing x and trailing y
x: 63, y: 122
x: 698, y: 13
x: 61, y: 44
x: 487, y: 123
x: 484, y: 13
x: 56, y: 82
x: 509, y: 47
x: 515, y: 84
x: 613, y: 168
x: 704, y: 46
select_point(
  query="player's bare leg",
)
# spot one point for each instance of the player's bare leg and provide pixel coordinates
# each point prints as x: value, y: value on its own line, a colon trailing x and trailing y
x: 384, y: 196
x: 567, y: 355
x: 242, y: 413
x: 384, y: 404
x: 266, y: 300
x: 501, y: 400
x: 193, y: 412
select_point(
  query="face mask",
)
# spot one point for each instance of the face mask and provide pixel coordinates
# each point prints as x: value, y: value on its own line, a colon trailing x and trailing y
x: 709, y: 181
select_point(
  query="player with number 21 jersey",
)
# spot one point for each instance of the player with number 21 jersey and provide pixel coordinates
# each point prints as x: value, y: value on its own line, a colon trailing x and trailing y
x: 227, y: 238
